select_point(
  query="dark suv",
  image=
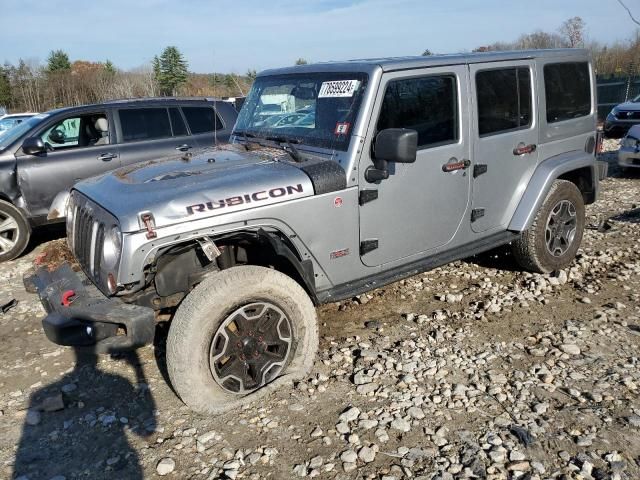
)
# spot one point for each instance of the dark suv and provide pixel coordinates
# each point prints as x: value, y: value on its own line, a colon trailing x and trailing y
x: 41, y: 158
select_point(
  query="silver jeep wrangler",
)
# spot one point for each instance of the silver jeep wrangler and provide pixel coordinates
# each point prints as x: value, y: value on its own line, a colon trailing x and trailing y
x: 340, y: 178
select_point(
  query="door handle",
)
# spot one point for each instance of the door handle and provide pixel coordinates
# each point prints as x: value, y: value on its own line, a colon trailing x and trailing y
x: 523, y: 149
x: 453, y: 164
x: 184, y: 147
x: 105, y: 157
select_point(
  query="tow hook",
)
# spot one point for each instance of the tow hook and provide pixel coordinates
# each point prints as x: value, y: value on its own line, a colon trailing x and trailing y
x: 68, y: 297
x: 150, y: 224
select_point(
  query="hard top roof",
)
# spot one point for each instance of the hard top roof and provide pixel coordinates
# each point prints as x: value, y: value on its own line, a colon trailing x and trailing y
x: 405, y: 63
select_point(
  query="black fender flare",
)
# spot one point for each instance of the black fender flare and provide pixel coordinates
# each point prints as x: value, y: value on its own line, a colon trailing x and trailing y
x: 287, y: 252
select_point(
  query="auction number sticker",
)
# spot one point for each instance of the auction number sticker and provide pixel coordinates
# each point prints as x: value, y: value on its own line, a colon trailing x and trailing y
x: 338, y: 88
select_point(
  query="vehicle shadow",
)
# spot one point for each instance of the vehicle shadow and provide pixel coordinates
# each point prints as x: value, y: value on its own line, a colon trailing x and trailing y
x: 78, y: 426
x: 629, y: 216
x: 499, y: 258
x: 44, y: 234
x: 160, y: 350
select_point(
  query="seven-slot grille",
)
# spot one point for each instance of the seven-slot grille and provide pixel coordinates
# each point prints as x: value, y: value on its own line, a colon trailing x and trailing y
x: 88, y: 240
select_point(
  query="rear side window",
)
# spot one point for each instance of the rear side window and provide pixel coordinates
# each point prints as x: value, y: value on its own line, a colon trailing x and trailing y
x: 177, y: 123
x: 428, y: 105
x: 144, y: 124
x: 504, y: 100
x: 202, y: 119
x: 567, y: 90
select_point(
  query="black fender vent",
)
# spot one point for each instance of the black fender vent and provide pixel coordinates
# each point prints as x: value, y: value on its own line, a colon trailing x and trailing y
x: 325, y: 175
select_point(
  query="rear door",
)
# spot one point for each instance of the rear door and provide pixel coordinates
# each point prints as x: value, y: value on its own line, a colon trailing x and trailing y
x: 505, y: 131
x: 206, y: 126
x: 77, y: 148
x: 149, y: 133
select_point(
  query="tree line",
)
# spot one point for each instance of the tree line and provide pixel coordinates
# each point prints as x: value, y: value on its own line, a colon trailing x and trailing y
x: 29, y: 86
x: 621, y: 58
x: 60, y: 82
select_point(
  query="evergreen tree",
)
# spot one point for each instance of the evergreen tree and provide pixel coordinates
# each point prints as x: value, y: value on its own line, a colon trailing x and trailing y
x: 301, y: 61
x: 58, y: 61
x: 5, y: 88
x: 251, y: 74
x: 170, y: 71
x: 109, y: 67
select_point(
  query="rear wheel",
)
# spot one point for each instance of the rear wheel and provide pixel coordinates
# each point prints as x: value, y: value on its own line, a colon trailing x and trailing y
x: 14, y: 232
x: 552, y: 241
x: 240, y: 334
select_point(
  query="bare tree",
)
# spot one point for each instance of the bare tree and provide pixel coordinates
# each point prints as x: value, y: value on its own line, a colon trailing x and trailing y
x: 633, y: 19
x: 573, y: 30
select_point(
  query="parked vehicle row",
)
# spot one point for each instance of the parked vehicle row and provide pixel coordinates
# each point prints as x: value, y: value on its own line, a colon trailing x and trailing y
x: 42, y: 157
x: 408, y: 164
x: 8, y: 121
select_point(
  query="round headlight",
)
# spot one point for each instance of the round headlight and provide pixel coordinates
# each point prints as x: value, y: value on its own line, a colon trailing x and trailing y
x: 112, y: 246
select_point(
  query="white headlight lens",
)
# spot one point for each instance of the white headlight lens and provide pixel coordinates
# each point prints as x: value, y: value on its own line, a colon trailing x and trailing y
x: 69, y: 214
x: 112, y: 247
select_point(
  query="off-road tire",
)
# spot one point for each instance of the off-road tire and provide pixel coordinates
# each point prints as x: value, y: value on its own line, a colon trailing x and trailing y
x: 530, y: 250
x: 19, y: 237
x: 204, y: 310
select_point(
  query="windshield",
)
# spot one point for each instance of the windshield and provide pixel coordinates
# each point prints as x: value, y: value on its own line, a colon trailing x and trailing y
x: 13, y: 134
x: 317, y: 109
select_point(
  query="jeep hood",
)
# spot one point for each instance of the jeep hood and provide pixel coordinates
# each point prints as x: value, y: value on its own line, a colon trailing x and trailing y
x: 212, y: 183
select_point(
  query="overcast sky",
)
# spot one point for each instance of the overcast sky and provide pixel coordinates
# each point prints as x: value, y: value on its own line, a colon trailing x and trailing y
x: 233, y: 36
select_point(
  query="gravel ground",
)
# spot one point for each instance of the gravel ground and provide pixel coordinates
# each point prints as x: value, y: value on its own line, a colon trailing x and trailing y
x: 473, y: 370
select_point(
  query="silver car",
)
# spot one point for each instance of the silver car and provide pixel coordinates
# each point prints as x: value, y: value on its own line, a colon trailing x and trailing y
x: 629, y: 153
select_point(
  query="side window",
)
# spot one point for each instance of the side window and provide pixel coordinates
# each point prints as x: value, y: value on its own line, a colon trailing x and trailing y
x: 504, y: 100
x: 78, y: 131
x: 428, y: 105
x: 144, y: 124
x: 177, y: 123
x: 567, y: 90
x: 202, y: 119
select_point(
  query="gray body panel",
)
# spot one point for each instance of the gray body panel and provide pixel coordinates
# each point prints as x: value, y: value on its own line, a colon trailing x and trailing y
x: 422, y: 214
x: 34, y: 182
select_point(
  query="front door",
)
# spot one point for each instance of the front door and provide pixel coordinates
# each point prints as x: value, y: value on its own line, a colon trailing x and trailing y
x: 505, y: 137
x: 78, y: 147
x: 421, y: 205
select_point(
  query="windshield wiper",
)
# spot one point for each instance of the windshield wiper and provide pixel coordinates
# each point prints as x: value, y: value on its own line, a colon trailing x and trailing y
x: 246, y: 136
x: 290, y: 149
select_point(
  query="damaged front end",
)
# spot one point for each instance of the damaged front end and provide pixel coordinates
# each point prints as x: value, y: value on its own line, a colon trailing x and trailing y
x: 79, y: 315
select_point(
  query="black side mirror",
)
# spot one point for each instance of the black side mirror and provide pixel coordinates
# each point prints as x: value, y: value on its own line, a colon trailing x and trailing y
x: 399, y: 145
x: 33, y: 146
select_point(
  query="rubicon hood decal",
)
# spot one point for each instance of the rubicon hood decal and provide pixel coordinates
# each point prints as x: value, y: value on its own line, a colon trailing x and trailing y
x: 238, y: 200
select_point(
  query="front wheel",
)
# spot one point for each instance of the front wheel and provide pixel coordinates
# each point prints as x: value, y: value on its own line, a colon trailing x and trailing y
x: 238, y: 335
x: 552, y: 241
x: 14, y: 232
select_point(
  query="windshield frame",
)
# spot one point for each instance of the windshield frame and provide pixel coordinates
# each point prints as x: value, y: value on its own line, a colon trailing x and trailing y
x: 300, y: 137
x: 12, y: 135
